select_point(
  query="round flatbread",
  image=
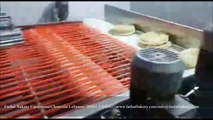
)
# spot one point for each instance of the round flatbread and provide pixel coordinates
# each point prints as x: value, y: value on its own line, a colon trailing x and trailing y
x: 153, y: 38
x: 189, y: 57
x: 122, y: 30
x: 163, y: 46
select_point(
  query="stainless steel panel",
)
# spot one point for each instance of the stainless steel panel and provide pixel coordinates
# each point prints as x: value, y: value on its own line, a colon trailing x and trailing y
x: 195, y: 14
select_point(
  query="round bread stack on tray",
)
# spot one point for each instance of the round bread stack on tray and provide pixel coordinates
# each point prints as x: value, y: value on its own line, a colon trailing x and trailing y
x: 189, y: 57
x: 123, y: 30
x: 154, y: 40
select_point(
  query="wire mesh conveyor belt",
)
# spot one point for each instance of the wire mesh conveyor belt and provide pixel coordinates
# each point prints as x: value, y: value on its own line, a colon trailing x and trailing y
x: 59, y: 66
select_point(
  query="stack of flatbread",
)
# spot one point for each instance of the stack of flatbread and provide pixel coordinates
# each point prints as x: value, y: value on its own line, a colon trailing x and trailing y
x: 122, y: 30
x: 154, y: 40
x: 189, y: 57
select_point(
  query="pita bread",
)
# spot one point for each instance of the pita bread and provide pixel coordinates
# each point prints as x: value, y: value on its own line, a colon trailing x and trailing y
x: 153, y: 38
x: 189, y: 57
x: 122, y: 30
x: 163, y: 46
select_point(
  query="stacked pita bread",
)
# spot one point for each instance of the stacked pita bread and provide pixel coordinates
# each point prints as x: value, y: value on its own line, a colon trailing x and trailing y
x: 122, y: 30
x: 154, y: 40
x: 189, y: 57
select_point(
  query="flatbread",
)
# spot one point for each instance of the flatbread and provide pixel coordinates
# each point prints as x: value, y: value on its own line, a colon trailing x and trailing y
x: 163, y: 46
x: 154, y: 39
x: 122, y: 30
x: 189, y: 57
